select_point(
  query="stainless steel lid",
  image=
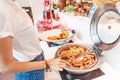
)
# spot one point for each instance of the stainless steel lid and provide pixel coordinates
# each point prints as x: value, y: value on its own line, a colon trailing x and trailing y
x: 105, y: 27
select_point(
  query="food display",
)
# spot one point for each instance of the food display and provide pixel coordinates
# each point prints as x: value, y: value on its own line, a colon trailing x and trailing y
x: 82, y: 9
x: 64, y: 34
x: 78, y: 9
x: 97, y: 3
x: 77, y: 56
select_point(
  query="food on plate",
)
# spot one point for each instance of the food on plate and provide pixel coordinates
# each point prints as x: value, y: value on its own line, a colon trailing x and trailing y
x: 63, y: 34
x: 78, y: 57
x: 52, y: 37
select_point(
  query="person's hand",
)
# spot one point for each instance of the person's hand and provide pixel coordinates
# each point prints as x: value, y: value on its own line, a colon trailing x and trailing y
x: 56, y: 64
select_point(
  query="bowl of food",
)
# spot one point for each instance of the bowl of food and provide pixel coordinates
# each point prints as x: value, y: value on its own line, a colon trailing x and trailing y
x: 59, y: 36
x: 80, y: 58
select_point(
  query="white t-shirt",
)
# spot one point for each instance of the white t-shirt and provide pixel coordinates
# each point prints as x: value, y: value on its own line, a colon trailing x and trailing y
x: 15, y: 22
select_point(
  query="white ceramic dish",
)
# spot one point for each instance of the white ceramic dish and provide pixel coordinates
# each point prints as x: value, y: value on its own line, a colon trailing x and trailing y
x: 55, y: 32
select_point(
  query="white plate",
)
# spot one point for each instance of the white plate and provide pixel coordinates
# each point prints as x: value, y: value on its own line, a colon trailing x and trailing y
x: 55, y: 32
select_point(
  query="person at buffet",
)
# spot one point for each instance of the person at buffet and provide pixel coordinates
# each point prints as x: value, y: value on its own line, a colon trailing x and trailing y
x: 20, y: 50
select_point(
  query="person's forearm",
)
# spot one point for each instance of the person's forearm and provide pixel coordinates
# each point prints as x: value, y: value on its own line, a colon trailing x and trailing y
x: 7, y: 63
x: 23, y: 66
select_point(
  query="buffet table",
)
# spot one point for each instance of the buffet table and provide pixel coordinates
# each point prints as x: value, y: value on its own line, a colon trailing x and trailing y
x: 110, y: 67
x: 109, y: 72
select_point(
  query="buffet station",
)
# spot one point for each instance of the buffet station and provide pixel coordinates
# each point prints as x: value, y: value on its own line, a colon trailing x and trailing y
x: 90, y: 46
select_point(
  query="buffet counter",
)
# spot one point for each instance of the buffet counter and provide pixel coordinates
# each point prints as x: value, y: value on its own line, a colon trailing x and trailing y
x: 81, y: 25
x: 109, y: 72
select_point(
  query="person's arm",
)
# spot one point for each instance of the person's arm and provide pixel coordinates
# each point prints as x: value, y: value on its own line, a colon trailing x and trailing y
x: 8, y: 65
